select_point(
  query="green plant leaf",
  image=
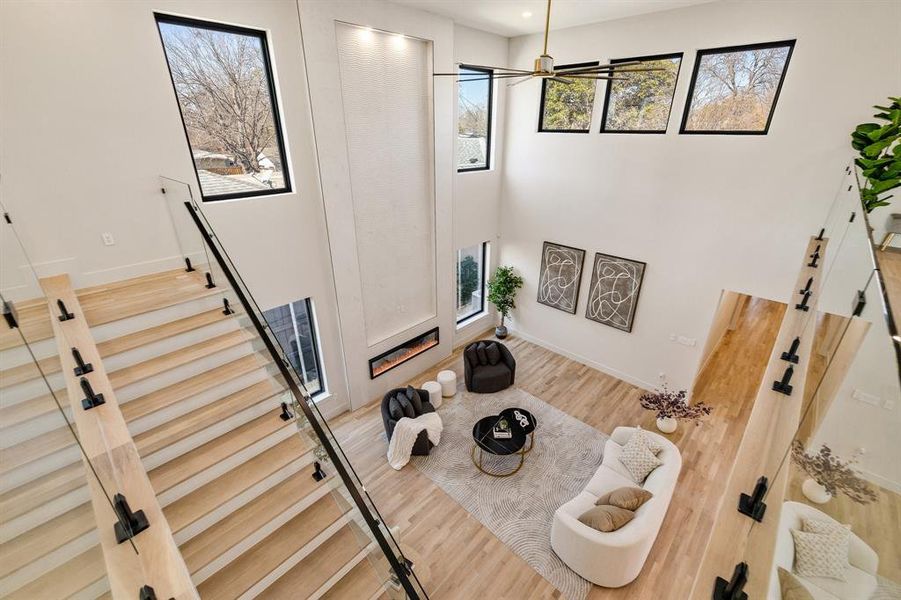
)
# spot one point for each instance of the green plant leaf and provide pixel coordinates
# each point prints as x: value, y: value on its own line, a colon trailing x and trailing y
x: 884, y: 186
x: 873, y: 150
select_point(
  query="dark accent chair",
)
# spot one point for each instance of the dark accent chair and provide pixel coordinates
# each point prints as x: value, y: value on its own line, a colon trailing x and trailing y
x: 488, y: 371
x: 423, y: 444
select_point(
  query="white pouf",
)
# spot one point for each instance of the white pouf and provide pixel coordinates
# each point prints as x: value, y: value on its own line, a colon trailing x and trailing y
x: 434, y: 390
x: 448, y: 381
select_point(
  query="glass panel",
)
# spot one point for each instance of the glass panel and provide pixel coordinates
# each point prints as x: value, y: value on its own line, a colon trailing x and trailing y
x: 225, y: 91
x: 294, y: 328
x: 566, y: 107
x: 642, y: 102
x: 735, y: 89
x: 470, y: 281
x: 474, y: 118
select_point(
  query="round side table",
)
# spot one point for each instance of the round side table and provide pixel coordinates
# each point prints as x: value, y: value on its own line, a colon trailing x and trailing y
x: 448, y: 381
x: 434, y: 390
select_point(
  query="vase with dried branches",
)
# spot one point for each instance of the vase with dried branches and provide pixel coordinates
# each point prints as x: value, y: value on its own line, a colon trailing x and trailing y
x: 828, y: 475
x: 672, y: 407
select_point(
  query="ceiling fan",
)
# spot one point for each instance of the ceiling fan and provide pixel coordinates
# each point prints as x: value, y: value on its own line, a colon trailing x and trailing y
x: 544, y: 68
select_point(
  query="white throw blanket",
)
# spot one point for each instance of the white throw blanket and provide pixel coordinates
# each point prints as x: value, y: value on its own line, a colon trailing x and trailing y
x: 405, y: 433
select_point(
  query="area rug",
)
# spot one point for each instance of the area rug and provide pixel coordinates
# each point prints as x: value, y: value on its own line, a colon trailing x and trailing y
x: 518, y: 509
x: 886, y: 590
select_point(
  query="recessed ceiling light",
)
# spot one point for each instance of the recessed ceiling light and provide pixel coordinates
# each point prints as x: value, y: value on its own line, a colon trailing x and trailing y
x: 526, y: 15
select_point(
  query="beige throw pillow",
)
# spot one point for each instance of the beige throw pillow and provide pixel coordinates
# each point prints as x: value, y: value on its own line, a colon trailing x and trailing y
x: 821, y: 554
x: 638, y: 458
x: 791, y: 588
x: 653, y: 445
x: 824, y: 527
x: 629, y: 498
x: 606, y: 518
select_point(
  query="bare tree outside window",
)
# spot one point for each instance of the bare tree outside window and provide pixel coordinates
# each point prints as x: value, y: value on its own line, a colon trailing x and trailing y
x: 642, y: 102
x: 224, y: 88
x: 735, y: 89
x: 474, y: 91
x: 566, y: 107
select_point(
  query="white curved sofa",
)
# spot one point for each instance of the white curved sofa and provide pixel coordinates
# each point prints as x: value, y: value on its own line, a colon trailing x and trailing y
x: 860, y: 576
x: 616, y: 558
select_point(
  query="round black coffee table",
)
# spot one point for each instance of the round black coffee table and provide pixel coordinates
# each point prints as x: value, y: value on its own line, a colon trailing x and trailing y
x: 524, y: 420
x: 486, y: 442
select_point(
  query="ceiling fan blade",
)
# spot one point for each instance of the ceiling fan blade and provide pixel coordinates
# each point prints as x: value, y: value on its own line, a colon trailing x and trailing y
x: 494, y: 68
x: 561, y: 80
x: 599, y: 67
x: 604, y: 77
x: 520, y: 81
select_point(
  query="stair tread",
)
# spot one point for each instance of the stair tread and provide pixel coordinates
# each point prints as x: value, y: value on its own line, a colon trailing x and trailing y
x: 189, y: 464
x: 176, y: 392
x: 28, y: 371
x: 26, y: 497
x: 205, y: 547
x: 178, y: 429
x: 360, y: 582
x: 176, y: 358
x: 40, y: 540
x: 252, y: 566
x: 15, y: 414
x: 65, y: 580
x: 110, y: 302
x: 37, y: 447
x: 316, y: 569
x: 193, y: 506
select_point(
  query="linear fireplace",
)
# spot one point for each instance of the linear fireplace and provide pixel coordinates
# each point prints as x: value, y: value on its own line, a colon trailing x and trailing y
x: 386, y: 361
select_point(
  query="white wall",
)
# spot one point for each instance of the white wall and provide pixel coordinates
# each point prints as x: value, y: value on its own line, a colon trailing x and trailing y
x: 340, y: 185
x: 705, y: 212
x: 477, y: 194
x: 89, y: 123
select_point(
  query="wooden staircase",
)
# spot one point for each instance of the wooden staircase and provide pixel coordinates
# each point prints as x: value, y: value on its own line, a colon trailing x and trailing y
x: 234, y: 480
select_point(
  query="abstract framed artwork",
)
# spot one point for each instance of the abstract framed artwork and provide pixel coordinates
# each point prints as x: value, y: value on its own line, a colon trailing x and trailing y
x: 560, y: 276
x: 614, y: 289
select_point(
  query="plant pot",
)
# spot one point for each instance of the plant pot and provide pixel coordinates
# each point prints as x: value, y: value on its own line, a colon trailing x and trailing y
x: 500, y: 332
x: 814, y: 492
x: 666, y: 424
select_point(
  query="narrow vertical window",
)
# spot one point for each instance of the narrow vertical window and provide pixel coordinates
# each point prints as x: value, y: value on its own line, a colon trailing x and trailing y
x: 566, y: 105
x: 294, y: 326
x: 226, y: 93
x: 734, y: 90
x: 471, y: 263
x: 475, y: 89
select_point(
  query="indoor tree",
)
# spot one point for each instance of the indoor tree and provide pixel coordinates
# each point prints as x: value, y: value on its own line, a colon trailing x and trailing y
x: 502, y: 290
x: 880, y: 154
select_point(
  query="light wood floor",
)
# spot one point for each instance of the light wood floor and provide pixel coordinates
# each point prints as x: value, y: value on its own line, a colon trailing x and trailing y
x: 890, y: 265
x: 464, y: 560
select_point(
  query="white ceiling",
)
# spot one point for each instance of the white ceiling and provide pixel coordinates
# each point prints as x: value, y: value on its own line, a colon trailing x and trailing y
x: 505, y: 17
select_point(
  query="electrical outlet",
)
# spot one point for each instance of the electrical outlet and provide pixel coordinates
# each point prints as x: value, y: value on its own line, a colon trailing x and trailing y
x: 866, y: 398
x: 107, y: 238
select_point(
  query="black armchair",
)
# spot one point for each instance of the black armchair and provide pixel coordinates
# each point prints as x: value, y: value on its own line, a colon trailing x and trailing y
x: 488, y: 367
x: 418, y: 400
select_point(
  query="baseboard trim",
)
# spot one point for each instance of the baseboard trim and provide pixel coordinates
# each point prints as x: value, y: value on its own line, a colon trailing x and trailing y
x: 585, y: 361
x: 883, y: 482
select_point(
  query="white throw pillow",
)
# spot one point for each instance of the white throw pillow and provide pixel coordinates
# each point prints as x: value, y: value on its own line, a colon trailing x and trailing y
x: 652, y: 444
x: 824, y: 527
x: 638, y: 458
x: 821, y: 554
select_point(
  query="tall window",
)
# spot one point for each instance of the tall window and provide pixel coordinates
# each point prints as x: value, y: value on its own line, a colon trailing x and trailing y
x: 295, y: 329
x: 642, y: 102
x: 226, y: 94
x: 566, y: 107
x: 474, y: 97
x: 734, y: 90
x: 471, y: 281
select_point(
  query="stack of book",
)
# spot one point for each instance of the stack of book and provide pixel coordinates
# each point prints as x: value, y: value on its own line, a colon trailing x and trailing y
x: 501, y: 430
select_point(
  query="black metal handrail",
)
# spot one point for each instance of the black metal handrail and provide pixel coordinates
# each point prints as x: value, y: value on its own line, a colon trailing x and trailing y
x: 348, y: 474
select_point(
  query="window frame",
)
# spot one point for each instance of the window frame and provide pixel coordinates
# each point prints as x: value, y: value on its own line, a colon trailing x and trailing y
x: 490, y: 124
x: 314, y: 340
x: 544, y: 81
x: 725, y: 50
x: 607, y: 92
x: 263, y: 36
x: 483, y: 285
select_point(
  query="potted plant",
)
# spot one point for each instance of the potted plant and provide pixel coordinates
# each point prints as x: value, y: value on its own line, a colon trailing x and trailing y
x: 828, y: 475
x: 502, y: 290
x: 880, y: 154
x: 672, y: 407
